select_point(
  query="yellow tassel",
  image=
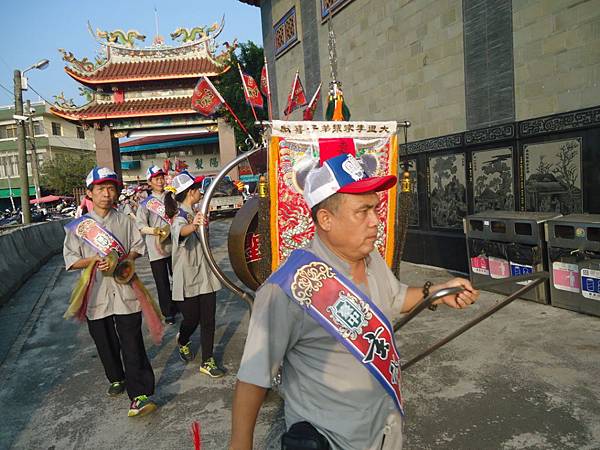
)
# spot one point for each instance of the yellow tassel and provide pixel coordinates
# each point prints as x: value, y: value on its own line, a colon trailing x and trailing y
x: 80, y: 290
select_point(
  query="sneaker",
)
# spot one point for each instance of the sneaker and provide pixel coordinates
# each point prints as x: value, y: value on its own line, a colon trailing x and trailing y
x: 185, y: 352
x: 210, y: 368
x: 140, y: 406
x: 170, y: 320
x: 116, y: 388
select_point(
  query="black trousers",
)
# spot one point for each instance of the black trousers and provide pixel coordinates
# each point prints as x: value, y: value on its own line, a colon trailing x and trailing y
x: 161, y: 268
x: 121, y: 335
x: 199, y: 310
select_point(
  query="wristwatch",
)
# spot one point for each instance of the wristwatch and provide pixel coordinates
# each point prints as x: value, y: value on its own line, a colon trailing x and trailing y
x: 426, y: 288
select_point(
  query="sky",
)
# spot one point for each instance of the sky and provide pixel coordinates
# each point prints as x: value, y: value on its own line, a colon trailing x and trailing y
x: 35, y: 29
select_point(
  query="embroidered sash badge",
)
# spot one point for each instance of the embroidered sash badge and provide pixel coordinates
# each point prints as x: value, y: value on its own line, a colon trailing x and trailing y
x: 346, y: 313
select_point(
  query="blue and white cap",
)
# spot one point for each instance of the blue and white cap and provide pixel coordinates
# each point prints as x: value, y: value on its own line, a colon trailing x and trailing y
x: 184, y: 181
x: 342, y: 173
x: 100, y: 175
x: 154, y: 171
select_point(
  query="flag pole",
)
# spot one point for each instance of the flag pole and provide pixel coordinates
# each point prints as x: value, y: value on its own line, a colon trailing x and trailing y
x: 239, y: 122
x: 314, y: 97
x: 268, y: 91
x: 291, y: 96
x: 247, y: 94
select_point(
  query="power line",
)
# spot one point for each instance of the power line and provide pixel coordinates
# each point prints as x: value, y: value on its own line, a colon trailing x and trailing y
x: 53, y: 104
x: 5, y: 63
x: 7, y: 90
x: 41, y: 96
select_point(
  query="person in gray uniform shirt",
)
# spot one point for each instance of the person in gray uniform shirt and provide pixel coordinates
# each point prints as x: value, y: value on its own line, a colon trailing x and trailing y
x: 195, y: 286
x: 151, y: 221
x: 113, y: 314
x: 332, y: 398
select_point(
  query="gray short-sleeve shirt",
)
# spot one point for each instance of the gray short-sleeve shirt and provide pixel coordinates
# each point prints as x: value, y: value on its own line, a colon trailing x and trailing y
x: 322, y: 382
x: 145, y: 218
x: 191, y: 274
x: 107, y: 297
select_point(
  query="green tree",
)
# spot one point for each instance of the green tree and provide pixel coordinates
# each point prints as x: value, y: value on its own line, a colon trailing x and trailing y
x: 63, y: 172
x: 251, y: 59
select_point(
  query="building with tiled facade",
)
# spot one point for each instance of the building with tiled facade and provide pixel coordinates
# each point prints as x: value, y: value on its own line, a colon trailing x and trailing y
x: 503, y: 97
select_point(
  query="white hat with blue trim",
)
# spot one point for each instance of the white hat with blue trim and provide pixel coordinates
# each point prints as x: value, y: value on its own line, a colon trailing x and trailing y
x: 101, y: 175
x: 184, y: 181
x: 154, y: 171
x: 341, y: 173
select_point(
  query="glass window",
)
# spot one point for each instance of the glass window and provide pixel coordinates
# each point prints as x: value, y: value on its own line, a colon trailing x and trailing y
x: 38, y: 128
x: 11, y: 131
x: 56, y: 129
x: 80, y: 133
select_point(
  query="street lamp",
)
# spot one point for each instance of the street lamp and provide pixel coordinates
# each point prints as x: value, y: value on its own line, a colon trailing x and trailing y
x: 20, y: 84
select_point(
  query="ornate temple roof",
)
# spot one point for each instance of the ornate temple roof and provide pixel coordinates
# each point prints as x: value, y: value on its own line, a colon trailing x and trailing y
x: 145, y: 70
x: 95, y: 110
x: 251, y: 2
x: 128, y: 81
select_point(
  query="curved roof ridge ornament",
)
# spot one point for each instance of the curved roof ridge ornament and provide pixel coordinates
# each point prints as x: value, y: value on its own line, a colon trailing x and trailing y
x: 204, y: 33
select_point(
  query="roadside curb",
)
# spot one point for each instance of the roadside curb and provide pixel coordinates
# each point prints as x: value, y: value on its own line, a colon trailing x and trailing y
x: 17, y: 346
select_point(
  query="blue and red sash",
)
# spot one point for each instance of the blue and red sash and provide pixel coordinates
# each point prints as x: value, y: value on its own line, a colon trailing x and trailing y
x: 157, y: 207
x: 103, y: 241
x: 95, y: 235
x: 346, y: 313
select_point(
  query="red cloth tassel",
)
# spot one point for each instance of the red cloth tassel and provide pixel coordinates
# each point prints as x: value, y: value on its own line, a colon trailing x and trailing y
x: 150, y: 311
x: 195, y: 430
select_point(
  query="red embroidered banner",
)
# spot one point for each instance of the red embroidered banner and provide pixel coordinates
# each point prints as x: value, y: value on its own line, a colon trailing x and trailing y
x: 294, y: 149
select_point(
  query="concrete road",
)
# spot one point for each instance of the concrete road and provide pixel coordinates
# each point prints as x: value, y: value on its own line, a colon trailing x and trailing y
x: 527, y: 378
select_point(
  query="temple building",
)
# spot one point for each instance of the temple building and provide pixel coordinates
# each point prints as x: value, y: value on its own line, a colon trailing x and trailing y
x: 144, y: 94
x: 503, y: 98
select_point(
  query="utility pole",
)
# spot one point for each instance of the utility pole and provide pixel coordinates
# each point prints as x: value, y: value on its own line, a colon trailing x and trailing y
x: 22, y: 153
x: 34, y: 160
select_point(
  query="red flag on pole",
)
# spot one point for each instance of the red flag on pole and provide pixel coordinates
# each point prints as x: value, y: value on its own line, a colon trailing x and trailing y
x: 297, y: 98
x: 264, y: 87
x: 309, y: 112
x: 251, y: 91
x: 206, y: 99
x: 264, y: 81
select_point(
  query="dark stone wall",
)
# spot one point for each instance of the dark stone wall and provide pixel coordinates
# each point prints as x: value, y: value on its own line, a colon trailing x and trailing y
x: 310, y: 47
x: 268, y: 43
x: 489, y: 65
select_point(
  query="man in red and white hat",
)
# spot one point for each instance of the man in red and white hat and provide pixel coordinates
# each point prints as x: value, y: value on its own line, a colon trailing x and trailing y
x: 324, y: 317
x: 111, y: 309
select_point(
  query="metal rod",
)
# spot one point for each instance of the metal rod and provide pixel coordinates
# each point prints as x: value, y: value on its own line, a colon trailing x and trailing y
x: 482, y: 287
x: 425, y: 303
x: 203, y: 231
x: 475, y: 321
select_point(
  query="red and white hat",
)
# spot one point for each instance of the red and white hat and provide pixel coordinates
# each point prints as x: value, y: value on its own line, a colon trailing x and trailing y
x: 340, y: 171
x: 154, y: 171
x: 184, y: 181
x: 100, y: 175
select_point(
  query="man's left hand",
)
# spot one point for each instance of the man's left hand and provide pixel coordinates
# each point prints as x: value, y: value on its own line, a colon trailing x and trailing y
x: 461, y: 300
